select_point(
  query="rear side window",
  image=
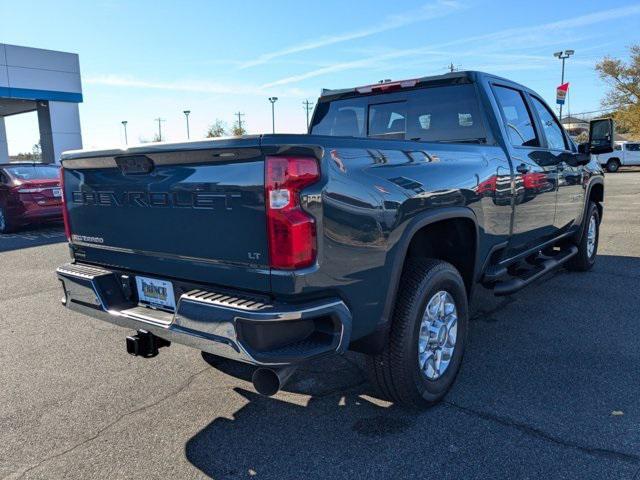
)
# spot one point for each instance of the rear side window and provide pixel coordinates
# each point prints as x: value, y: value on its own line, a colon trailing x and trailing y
x: 517, y: 118
x: 633, y: 147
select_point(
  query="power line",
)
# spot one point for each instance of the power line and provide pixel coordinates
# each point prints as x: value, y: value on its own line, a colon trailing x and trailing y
x: 601, y: 110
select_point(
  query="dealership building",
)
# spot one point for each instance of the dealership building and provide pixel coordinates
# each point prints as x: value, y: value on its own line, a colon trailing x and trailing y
x: 47, y: 82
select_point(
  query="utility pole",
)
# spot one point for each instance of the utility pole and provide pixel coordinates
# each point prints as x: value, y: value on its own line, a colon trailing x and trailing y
x: 186, y: 114
x: 563, y: 55
x: 308, y: 106
x: 124, y: 124
x: 453, y: 68
x: 273, y: 101
x: 239, y: 115
x: 159, y: 120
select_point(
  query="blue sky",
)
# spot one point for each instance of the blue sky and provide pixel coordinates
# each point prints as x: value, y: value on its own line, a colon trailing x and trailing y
x: 147, y: 59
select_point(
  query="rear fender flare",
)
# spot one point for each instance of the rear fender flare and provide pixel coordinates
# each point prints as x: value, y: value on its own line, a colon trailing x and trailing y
x: 375, y: 341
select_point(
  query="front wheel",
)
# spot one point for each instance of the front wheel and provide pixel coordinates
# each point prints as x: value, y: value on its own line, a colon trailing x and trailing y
x: 613, y: 165
x: 427, y: 338
x: 588, y: 244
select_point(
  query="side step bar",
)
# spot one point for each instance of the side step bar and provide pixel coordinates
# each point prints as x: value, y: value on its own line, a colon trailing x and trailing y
x: 546, y: 264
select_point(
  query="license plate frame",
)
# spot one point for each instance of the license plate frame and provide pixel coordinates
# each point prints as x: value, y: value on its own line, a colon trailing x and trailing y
x: 156, y: 293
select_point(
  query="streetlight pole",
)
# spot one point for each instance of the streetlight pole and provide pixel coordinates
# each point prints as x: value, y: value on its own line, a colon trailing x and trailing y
x: 563, y: 55
x: 124, y: 124
x: 186, y: 114
x: 273, y: 101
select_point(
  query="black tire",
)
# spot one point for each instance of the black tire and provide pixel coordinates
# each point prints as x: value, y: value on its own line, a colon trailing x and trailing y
x: 5, y: 225
x: 582, y: 261
x: 613, y: 165
x: 395, y: 372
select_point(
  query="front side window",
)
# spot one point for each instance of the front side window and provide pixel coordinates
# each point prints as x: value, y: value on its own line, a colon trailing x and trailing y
x: 517, y: 118
x: 550, y: 125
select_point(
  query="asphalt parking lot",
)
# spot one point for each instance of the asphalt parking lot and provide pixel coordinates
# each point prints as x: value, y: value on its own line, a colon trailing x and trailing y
x: 550, y: 387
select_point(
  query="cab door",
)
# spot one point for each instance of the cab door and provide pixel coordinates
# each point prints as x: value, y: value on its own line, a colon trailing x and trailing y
x: 570, y: 190
x: 534, y: 172
x: 632, y: 154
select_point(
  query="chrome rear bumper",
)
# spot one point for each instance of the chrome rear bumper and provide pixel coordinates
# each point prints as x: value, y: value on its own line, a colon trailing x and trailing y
x: 230, y: 325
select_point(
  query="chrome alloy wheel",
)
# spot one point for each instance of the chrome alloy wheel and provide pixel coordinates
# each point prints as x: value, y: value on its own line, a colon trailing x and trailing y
x: 438, y: 335
x: 591, y: 236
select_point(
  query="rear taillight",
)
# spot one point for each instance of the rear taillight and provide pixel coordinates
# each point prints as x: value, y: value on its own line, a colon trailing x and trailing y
x: 292, y: 231
x: 65, y: 212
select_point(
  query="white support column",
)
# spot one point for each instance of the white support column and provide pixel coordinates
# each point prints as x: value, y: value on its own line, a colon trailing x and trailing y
x: 4, y: 146
x: 59, y: 129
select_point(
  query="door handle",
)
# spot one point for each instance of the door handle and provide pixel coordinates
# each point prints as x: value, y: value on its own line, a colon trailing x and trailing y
x: 523, y: 168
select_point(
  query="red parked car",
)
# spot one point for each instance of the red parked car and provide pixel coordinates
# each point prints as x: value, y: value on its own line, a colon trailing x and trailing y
x: 30, y: 193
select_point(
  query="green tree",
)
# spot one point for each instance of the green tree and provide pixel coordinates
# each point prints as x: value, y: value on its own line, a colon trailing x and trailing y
x: 217, y: 129
x: 624, y: 94
x: 238, y: 129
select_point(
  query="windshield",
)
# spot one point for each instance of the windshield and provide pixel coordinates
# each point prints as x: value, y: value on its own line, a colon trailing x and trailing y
x: 32, y: 172
x: 438, y: 114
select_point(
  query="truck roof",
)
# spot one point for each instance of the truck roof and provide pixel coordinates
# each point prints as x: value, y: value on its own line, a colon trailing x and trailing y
x: 453, y: 78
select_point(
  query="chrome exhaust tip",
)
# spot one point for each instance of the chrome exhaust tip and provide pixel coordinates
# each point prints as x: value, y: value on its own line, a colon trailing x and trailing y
x: 268, y: 382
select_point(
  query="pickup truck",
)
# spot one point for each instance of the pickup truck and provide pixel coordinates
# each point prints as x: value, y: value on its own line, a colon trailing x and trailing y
x: 625, y: 154
x: 369, y: 233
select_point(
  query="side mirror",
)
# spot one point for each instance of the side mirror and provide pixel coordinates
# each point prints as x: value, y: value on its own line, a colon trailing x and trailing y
x: 584, y: 148
x: 601, y: 136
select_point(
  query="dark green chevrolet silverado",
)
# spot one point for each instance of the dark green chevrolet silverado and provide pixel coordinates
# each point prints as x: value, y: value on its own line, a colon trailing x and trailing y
x: 369, y: 233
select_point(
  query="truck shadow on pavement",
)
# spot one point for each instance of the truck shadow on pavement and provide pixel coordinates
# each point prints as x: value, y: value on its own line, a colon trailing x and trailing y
x: 35, y: 236
x: 540, y: 382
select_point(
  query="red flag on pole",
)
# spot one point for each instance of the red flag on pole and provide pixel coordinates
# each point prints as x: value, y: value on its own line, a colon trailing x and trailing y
x: 561, y: 93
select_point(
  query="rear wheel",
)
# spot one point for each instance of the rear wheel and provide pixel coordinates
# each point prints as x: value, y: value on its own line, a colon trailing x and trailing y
x: 428, y: 331
x: 613, y: 165
x: 588, y: 244
x: 5, y: 226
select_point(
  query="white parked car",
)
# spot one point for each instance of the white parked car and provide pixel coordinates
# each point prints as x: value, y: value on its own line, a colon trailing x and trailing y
x: 625, y: 154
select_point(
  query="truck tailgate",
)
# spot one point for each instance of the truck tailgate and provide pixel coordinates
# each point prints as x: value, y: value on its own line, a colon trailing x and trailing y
x: 194, y: 212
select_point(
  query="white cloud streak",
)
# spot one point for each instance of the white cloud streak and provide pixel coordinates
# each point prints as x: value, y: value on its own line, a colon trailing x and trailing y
x: 509, y: 39
x: 193, y: 86
x: 428, y: 11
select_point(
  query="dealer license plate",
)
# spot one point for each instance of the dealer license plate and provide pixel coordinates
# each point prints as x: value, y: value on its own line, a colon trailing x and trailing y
x: 156, y: 293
